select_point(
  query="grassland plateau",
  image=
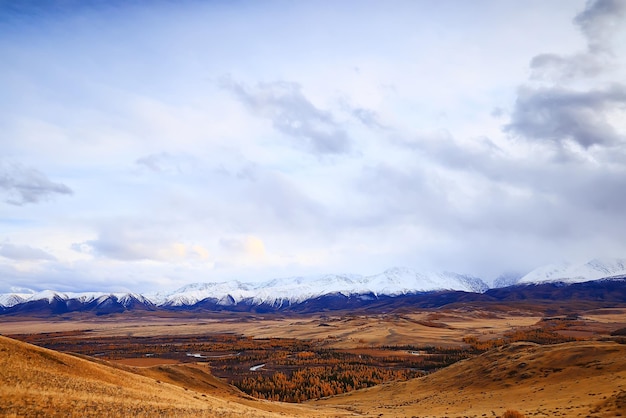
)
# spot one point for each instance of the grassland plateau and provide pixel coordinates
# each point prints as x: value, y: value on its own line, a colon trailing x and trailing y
x: 452, y: 362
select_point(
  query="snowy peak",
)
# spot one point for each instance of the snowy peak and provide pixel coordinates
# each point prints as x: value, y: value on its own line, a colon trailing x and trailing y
x: 11, y: 299
x: 8, y: 300
x: 403, y: 280
x: 277, y: 292
x: 577, y: 272
x: 48, y: 295
x: 507, y: 279
x: 289, y: 291
x: 608, y: 267
x: 392, y: 282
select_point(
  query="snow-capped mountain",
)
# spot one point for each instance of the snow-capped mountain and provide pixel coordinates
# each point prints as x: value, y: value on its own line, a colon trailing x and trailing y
x: 576, y: 272
x: 392, y: 282
x: 276, y: 292
x: 338, y: 290
x: 11, y: 299
x: 507, y: 279
x: 8, y: 300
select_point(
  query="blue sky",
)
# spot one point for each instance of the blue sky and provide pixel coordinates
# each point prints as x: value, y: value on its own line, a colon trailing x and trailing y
x: 149, y: 145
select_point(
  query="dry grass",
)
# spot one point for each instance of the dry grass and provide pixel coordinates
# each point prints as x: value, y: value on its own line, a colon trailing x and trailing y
x: 340, y: 331
x: 563, y: 380
x: 510, y: 413
x: 40, y: 382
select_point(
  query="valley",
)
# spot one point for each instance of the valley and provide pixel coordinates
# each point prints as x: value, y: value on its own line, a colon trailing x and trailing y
x: 428, y: 362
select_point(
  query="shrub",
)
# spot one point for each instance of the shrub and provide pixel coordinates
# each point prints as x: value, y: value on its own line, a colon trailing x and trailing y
x: 510, y: 413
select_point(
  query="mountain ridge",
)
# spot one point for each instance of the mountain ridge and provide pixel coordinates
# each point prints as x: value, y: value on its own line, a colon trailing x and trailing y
x: 569, y: 272
x: 281, y: 293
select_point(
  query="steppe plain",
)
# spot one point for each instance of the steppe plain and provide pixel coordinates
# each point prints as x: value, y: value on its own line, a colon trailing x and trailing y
x: 583, y: 377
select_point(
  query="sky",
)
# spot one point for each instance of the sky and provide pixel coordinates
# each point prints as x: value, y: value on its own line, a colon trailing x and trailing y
x: 145, y: 145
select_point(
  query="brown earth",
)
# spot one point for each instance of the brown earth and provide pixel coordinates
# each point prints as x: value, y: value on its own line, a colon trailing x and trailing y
x: 35, y: 381
x: 585, y: 378
x: 145, y: 361
x: 337, y: 331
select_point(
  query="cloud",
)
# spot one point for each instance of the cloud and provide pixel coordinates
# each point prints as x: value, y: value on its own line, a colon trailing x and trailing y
x: 441, y: 148
x: 332, y: 170
x: 249, y: 246
x: 157, y: 162
x: 136, y: 245
x: 558, y: 115
x: 494, y: 210
x: 165, y: 162
x: 24, y: 185
x: 292, y: 114
x: 242, y: 253
x: 568, y: 67
x: 24, y: 253
x: 598, y: 23
x: 367, y: 117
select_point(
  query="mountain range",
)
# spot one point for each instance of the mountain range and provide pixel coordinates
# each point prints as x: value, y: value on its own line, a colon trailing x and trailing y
x: 318, y: 292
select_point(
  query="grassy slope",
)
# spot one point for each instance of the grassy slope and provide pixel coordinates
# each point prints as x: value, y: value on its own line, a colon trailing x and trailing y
x: 38, y: 382
x: 566, y: 380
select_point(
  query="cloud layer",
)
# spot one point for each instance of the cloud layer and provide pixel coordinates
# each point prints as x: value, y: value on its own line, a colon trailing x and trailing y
x: 149, y: 147
x: 292, y: 114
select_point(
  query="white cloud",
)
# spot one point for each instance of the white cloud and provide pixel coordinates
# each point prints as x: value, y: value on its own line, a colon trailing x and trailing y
x: 24, y: 252
x: 167, y: 145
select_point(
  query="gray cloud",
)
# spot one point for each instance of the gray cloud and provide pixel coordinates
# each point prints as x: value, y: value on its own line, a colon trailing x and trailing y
x: 598, y: 23
x: 568, y: 67
x: 441, y: 148
x: 367, y: 117
x: 155, y: 162
x: 24, y: 252
x: 557, y: 114
x: 466, y: 188
x: 117, y: 249
x: 497, y: 112
x: 268, y: 201
x: 475, y: 204
x: 80, y: 276
x: 166, y: 163
x: 123, y: 244
x: 576, y: 189
x: 24, y: 185
x: 599, y: 191
x: 293, y: 114
x: 399, y: 195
